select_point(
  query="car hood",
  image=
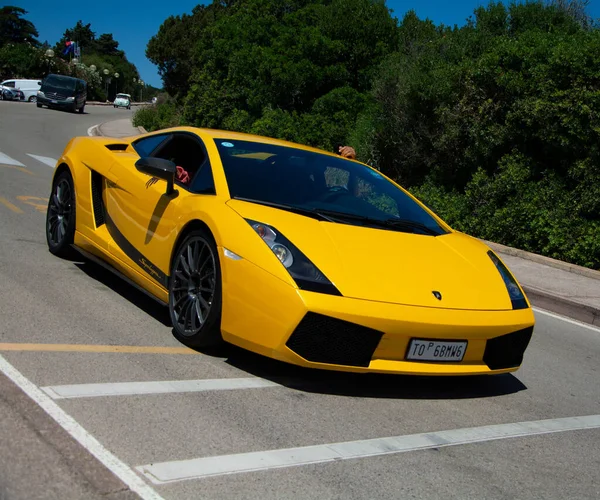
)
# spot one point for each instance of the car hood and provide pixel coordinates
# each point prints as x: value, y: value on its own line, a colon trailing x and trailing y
x: 392, y: 266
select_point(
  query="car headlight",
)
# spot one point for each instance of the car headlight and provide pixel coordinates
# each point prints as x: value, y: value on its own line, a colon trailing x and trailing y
x: 514, y: 290
x: 70, y: 98
x: 306, y: 275
x: 40, y: 93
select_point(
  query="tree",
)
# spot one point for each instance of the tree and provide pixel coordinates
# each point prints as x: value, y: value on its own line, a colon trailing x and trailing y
x: 15, y: 29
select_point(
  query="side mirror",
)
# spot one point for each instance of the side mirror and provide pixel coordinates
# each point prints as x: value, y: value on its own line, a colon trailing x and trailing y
x: 158, y: 167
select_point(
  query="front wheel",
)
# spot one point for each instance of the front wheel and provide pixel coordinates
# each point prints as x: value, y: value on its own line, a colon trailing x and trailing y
x: 195, y: 291
x: 60, y: 217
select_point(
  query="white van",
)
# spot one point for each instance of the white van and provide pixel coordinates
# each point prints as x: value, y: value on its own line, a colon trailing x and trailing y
x: 28, y: 87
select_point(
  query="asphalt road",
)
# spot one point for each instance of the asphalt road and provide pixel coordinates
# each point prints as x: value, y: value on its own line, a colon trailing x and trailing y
x: 67, y: 324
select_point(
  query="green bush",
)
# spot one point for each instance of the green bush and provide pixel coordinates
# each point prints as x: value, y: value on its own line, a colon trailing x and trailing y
x: 163, y: 114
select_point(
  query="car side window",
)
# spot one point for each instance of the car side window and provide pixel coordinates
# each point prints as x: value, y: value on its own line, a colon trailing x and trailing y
x: 145, y: 147
x: 9, y: 84
x: 204, y: 183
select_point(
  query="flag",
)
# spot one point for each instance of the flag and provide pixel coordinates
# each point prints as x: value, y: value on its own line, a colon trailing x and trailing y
x: 70, y: 46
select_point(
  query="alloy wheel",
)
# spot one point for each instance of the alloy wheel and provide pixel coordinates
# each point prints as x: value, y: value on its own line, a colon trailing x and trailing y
x: 60, y: 212
x: 193, y: 290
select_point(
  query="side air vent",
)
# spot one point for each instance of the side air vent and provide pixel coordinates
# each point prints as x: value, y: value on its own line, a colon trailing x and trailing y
x: 116, y: 147
x: 97, y: 202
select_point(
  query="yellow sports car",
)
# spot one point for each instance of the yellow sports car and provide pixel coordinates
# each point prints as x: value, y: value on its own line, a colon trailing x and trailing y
x: 288, y: 251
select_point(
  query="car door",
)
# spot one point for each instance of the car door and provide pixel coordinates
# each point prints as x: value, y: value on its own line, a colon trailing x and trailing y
x: 141, y: 216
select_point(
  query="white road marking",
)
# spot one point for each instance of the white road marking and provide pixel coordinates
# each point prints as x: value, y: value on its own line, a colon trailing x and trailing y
x: 7, y: 160
x: 159, y: 387
x: 567, y: 320
x: 51, y: 162
x: 167, y: 472
x: 116, y: 466
x: 90, y: 130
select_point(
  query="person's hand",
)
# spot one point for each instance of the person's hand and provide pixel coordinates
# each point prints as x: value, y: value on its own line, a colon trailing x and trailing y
x: 182, y: 175
x: 348, y: 152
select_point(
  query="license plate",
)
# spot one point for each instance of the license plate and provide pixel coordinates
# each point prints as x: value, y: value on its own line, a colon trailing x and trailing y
x: 436, y: 350
x: 54, y: 102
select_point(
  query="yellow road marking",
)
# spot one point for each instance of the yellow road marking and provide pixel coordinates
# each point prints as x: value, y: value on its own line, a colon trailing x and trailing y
x: 134, y: 349
x: 10, y: 206
x: 20, y: 169
x: 40, y: 207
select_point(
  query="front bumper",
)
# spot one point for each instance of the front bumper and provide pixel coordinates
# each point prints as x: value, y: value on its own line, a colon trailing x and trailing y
x: 55, y: 103
x: 263, y: 314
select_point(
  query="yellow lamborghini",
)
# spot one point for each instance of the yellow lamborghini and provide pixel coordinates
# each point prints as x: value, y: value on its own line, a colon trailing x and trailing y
x: 288, y: 251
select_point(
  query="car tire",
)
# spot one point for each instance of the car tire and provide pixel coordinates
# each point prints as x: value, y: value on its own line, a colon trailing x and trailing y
x: 191, y: 289
x: 32, y: 98
x: 60, y: 216
x: 38, y: 105
x: 82, y: 108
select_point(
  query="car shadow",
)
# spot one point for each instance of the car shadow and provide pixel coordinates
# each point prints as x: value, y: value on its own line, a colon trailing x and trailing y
x: 129, y: 292
x: 369, y: 385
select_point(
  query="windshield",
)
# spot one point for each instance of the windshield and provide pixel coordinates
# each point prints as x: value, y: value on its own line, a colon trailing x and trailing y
x: 58, y: 82
x: 343, y: 191
x: 122, y: 96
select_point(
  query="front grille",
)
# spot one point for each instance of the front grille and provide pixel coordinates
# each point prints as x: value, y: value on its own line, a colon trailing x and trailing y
x: 322, y: 339
x: 97, y: 202
x: 56, y: 96
x: 507, y: 350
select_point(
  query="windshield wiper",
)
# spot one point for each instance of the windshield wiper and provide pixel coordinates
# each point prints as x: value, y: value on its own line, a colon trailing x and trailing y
x: 411, y: 224
x: 390, y: 223
x: 309, y: 212
x: 332, y: 215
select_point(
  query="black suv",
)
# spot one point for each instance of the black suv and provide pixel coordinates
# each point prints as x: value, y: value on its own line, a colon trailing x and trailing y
x: 60, y: 91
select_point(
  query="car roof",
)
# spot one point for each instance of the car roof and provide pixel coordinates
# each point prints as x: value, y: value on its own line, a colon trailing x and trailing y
x: 240, y: 136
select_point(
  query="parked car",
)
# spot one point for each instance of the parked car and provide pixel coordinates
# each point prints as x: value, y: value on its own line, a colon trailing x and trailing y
x: 63, y: 91
x: 122, y: 101
x: 8, y: 94
x: 28, y: 88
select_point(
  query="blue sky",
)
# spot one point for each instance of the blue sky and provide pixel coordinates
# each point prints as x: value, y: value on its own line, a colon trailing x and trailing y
x: 134, y: 23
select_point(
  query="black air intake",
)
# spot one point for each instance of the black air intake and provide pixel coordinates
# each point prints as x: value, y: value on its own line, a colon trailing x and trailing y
x: 507, y: 350
x: 322, y: 339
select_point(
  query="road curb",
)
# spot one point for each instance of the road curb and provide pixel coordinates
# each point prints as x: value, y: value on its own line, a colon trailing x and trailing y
x: 541, y: 259
x: 562, y: 305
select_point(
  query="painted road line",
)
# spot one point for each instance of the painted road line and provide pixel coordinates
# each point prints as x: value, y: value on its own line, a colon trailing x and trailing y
x: 20, y: 169
x: 89, y: 442
x: 567, y: 320
x: 7, y: 160
x: 167, y: 472
x: 10, y: 206
x: 154, y: 387
x: 130, y: 349
x: 51, y: 162
x: 92, y: 130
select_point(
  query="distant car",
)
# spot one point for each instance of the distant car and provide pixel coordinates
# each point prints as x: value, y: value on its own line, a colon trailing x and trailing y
x: 61, y: 91
x: 8, y: 94
x: 122, y: 101
x: 27, y: 88
x: 288, y: 251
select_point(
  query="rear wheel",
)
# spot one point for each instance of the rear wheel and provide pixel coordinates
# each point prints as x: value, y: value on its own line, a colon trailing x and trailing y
x: 60, y: 217
x: 195, y: 291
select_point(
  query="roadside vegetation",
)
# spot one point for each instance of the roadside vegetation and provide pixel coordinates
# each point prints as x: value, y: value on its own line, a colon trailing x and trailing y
x: 494, y: 124
x: 22, y: 55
